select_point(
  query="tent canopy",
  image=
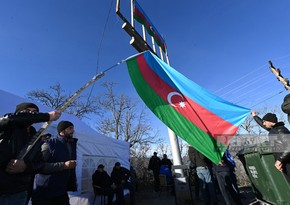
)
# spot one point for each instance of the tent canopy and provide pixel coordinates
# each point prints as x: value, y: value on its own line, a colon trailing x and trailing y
x: 93, y: 148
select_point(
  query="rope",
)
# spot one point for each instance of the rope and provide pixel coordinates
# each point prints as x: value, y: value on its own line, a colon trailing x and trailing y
x: 268, y: 98
x: 246, y: 85
x: 99, y: 49
x: 239, y: 79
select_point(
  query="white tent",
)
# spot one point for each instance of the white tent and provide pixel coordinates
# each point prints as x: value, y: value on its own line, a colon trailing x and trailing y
x: 93, y: 148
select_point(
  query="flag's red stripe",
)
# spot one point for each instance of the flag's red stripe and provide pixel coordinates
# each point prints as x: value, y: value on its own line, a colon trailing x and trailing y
x: 147, y: 24
x: 141, y: 15
x: 205, y: 120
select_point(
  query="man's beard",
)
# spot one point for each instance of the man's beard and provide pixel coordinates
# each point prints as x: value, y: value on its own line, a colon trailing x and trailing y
x: 68, y: 136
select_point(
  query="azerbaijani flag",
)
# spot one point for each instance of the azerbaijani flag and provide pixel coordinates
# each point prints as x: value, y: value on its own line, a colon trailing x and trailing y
x: 202, y: 119
x: 142, y: 18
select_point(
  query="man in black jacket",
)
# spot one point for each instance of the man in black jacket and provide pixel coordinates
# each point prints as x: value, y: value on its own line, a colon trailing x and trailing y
x: 58, y: 176
x: 103, y: 181
x: 120, y: 176
x: 154, y: 165
x: 15, y: 133
x: 281, y: 137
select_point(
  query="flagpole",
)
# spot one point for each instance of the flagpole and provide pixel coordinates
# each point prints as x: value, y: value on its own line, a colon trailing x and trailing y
x: 25, y: 151
x: 132, y: 13
x: 161, y: 53
x: 176, y: 155
x: 153, y: 44
x: 140, y: 44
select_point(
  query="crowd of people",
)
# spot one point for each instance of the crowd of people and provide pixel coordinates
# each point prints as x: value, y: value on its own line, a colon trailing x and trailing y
x: 47, y: 172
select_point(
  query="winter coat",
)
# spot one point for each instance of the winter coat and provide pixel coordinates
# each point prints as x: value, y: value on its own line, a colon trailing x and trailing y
x: 280, y: 136
x: 55, y: 181
x: 14, y: 136
x: 120, y: 175
x: 102, y: 179
x: 154, y: 164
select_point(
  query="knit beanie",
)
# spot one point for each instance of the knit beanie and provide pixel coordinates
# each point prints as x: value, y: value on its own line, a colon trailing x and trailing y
x: 101, y: 166
x: 62, y: 125
x: 270, y: 117
x: 286, y: 106
x: 24, y: 106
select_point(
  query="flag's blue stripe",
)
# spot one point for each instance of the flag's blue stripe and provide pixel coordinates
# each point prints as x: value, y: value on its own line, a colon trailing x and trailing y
x: 147, y: 18
x: 230, y: 112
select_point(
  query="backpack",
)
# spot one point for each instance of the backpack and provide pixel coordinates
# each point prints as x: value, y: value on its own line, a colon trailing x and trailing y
x: 230, y: 158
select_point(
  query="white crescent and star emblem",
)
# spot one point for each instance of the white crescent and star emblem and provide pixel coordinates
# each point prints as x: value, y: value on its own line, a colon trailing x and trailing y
x: 169, y: 99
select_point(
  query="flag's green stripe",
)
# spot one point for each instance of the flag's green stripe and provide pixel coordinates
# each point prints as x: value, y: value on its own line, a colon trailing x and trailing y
x: 143, y: 21
x: 203, y: 142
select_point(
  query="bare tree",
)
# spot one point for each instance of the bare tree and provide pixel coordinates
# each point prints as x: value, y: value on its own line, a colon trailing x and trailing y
x: 56, y: 96
x: 183, y: 146
x: 123, y: 118
x: 140, y: 161
x: 163, y: 149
